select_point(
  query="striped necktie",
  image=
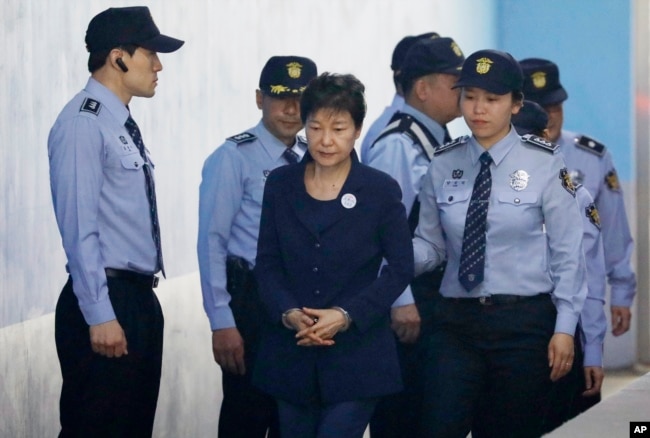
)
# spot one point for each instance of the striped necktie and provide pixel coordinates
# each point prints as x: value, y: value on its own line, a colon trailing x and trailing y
x: 134, y: 132
x: 290, y: 156
x: 472, y: 258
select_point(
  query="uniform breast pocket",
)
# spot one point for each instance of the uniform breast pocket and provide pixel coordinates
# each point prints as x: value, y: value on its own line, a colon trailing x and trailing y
x: 521, y: 199
x: 518, y: 210
x: 132, y: 161
x: 452, y: 208
x: 450, y: 198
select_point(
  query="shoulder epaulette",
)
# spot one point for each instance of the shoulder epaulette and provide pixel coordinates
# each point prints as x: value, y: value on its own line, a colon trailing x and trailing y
x: 406, y: 124
x: 540, y: 142
x: 244, y: 137
x: 452, y: 144
x: 590, y: 144
x: 90, y: 106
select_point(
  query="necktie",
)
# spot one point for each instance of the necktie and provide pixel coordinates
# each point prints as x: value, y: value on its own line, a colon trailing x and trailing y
x: 472, y: 258
x: 447, y: 137
x: 134, y: 132
x: 290, y: 156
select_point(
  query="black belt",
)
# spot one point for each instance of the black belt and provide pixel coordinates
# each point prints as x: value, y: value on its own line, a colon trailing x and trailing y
x: 149, y: 280
x: 497, y: 299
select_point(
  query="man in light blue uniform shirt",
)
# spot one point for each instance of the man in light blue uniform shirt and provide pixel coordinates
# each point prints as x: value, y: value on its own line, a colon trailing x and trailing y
x: 591, y: 165
x: 580, y: 388
x: 404, y: 150
x: 101, y: 177
x: 398, y: 99
x: 230, y: 206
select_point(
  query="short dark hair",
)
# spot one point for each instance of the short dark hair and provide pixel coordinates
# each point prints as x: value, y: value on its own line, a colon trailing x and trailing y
x: 338, y: 92
x: 96, y: 60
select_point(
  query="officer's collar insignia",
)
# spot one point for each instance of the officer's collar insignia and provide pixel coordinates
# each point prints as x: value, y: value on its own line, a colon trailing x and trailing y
x: 452, y: 144
x: 519, y: 180
x: 539, y: 142
x: 90, y: 106
x: 294, y: 70
x: 592, y: 213
x: 566, y: 181
x: 611, y: 179
x: 483, y: 65
x: 577, y: 177
x: 590, y: 145
x: 457, y: 174
x: 244, y: 137
x: 539, y: 79
x: 456, y: 49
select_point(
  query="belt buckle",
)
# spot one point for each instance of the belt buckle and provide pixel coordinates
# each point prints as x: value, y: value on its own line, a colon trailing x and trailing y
x: 154, y: 283
x: 486, y: 301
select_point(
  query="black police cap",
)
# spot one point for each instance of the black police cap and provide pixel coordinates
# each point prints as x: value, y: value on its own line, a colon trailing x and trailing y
x: 399, y: 53
x: 287, y: 75
x: 542, y: 81
x: 116, y: 27
x: 531, y: 119
x: 491, y: 70
x: 432, y: 55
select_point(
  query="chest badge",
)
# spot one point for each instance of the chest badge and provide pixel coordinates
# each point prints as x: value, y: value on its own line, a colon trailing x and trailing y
x: 519, y: 180
x: 457, y: 174
x: 348, y: 200
x: 577, y: 177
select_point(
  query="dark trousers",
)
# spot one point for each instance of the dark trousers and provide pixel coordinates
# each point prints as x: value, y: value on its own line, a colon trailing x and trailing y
x: 338, y: 420
x: 110, y: 397
x: 399, y: 415
x: 566, y: 400
x: 487, y: 369
x: 246, y: 412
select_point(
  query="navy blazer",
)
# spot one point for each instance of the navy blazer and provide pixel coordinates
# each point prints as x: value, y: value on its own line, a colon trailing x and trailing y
x: 298, y: 266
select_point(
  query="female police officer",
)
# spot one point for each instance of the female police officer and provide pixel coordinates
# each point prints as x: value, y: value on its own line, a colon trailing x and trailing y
x: 502, y: 211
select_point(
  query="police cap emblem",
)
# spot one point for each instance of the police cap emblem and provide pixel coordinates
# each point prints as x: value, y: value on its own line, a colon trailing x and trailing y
x: 539, y: 79
x: 483, y: 65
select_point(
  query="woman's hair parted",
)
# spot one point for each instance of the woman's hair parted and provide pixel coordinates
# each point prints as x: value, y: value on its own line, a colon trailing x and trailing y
x: 336, y: 92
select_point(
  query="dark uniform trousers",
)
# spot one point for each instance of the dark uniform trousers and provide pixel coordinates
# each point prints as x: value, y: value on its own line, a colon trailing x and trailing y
x: 487, y: 369
x: 110, y: 397
x: 566, y: 400
x: 246, y: 412
x: 399, y: 415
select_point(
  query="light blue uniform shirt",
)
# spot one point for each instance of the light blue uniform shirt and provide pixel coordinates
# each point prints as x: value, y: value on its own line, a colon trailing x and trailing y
x: 598, y: 175
x: 99, y: 196
x: 230, y: 206
x: 534, y: 230
x: 379, y: 125
x: 397, y: 155
x: 593, y: 322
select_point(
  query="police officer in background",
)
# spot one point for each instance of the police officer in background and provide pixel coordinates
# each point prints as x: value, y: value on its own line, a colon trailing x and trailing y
x: 404, y: 150
x: 590, y: 164
x: 398, y: 99
x: 585, y: 379
x: 230, y: 206
x: 501, y: 210
x: 108, y: 322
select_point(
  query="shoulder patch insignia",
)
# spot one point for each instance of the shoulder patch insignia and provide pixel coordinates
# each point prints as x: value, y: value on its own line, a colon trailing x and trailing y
x: 565, y: 177
x: 539, y: 142
x: 244, y: 137
x: 592, y: 213
x: 611, y: 179
x: 590, y: 145
x: 90, y: 106
x: 452, y: 144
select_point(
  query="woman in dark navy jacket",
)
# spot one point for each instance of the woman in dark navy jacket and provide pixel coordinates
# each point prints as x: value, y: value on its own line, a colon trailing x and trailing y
x: 328, y: 352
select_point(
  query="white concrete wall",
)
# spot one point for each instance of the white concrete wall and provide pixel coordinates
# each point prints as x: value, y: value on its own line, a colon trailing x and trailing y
x: 205, y: 93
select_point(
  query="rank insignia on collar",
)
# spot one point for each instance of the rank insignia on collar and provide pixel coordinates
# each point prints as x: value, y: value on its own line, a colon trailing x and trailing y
x: 90, y: 106
x: 457, y: 174
x: 566, y: 182
x: 592, y: 213
x: 611, y: 179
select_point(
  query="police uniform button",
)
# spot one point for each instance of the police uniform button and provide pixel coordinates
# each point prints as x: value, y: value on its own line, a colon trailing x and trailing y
x: 315, y: 269
x: 316, y: 245
x: 316, y: 292
x: 135, y: 163
x: 451, y: 198
x: 517, y: 200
